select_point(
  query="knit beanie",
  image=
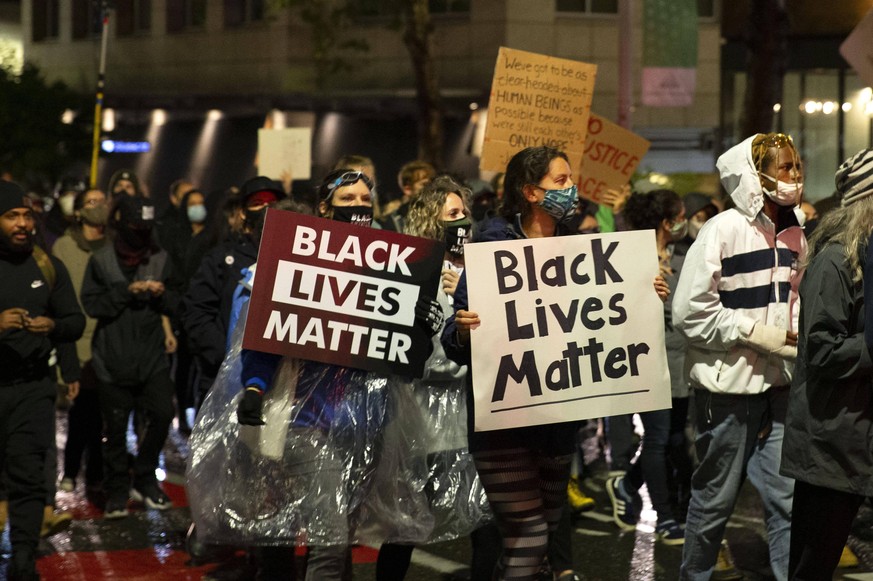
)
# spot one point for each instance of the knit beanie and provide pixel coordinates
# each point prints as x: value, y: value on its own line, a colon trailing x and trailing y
x: 124, y: 174
x: 12, y: 196
x: 854, y: 178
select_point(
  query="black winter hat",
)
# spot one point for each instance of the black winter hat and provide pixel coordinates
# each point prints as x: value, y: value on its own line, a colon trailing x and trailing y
x: 260, y: 184
x: 695, y: 201
x: 124, y: 174
x: 12, y: 196
x: 135, y: 212
x: 72, y: 184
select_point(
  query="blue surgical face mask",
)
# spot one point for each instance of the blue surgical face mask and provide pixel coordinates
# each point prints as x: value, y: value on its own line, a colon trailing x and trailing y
x: 560, y: 204
x: 197, y: 213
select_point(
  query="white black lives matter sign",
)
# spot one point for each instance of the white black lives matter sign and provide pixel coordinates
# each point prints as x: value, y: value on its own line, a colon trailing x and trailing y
x: 571, y: 329
x: 336, y: 293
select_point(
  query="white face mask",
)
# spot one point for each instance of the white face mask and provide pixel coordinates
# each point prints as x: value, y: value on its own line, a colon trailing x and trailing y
x: 786, y: 194
x: 66, y: 203
x: 694, y: 227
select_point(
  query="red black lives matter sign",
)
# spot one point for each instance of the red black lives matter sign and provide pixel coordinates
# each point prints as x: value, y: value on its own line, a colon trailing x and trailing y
x: 336, y: 293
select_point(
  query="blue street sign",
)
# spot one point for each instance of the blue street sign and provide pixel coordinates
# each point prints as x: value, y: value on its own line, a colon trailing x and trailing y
x: 115, y: 146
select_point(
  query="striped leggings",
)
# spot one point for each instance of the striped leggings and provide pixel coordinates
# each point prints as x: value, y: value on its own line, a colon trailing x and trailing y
x: 527, y: 492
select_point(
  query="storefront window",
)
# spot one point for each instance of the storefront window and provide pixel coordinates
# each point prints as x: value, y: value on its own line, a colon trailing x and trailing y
x: 810, y: 112
x: 819, y: 133
x: 858, y: 117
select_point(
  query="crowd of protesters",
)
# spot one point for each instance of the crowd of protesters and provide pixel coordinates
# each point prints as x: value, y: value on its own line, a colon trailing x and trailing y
x: 138, y: 317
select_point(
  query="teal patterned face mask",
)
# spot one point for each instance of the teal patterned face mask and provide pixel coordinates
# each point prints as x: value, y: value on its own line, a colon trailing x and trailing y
x: 560, y: 204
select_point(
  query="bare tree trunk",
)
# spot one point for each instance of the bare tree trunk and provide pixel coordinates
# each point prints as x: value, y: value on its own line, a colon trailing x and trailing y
x: 768, y: 55
x: 418, y: 29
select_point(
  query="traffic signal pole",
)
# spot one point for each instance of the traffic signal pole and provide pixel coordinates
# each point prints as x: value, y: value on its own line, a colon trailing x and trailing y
x: 101, y: 78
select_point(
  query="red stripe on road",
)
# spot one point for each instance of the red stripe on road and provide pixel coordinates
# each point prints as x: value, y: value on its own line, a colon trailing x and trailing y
x: 156, y: 564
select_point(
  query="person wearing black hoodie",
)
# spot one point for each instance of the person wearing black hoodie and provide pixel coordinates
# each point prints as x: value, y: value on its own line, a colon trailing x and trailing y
x: 38, y: 307
x: 128, y: 286
x: 207, y: 302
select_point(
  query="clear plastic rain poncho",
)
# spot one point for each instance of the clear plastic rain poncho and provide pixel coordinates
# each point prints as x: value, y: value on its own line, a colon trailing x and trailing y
x: 346, y: 456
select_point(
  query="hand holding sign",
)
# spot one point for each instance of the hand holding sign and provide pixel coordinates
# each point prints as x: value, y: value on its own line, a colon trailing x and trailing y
x: 465, y: 321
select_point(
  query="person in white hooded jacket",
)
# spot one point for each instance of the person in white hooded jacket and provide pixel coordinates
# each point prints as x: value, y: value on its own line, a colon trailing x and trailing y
x: 737, y: 304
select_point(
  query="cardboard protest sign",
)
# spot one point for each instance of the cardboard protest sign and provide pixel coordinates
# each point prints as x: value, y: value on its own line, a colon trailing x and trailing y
x: 612, y: 153
x: 536, y: 100
x: 285, y: 150
x: 571, y: 329
x: 858, y: 50
x: 337, y: 293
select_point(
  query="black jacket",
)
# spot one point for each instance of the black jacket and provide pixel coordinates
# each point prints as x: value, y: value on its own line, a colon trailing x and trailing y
x: 828, y: 433
x: 128, y: 345
x: 206, y: 305
x: 24, y: 355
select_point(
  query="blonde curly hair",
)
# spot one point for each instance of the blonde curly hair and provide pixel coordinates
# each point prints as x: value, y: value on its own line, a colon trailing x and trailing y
x: 425, y: 211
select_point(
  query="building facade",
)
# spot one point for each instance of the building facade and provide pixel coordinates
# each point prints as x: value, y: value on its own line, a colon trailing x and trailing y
x: 171, y: 62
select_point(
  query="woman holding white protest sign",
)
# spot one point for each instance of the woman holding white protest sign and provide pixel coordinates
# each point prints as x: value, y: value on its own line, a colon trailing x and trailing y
x: 306, y: 461
x: 524, y: 470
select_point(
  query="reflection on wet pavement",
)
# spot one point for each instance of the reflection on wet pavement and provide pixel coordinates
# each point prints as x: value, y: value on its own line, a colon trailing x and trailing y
x: 150, y: 545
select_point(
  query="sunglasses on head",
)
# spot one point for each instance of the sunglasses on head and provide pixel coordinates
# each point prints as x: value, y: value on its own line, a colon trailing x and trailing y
x: 347, y: 179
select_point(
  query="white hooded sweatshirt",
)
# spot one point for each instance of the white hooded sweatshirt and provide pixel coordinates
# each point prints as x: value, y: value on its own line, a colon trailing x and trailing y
x: 737, y: 292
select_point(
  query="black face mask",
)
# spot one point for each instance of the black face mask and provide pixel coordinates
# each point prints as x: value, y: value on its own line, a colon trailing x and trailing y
x: 135, y: 238
x: 253, y: 221
x: 457, y: 235
x: 356, y: 215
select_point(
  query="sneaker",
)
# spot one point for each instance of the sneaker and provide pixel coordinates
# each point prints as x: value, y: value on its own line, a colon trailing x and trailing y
x: 116, y: 508
x: 579, y: 501
x: 725, y: 570
x: 570, y: 576
x: 67, y: 484
x: 150, y: 494
x: 670, y: 533
x: 623, y: 511
x: 848, y: 559
x: 54, y: 522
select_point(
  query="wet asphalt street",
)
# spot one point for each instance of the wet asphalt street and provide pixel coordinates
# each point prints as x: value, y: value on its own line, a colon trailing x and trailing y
x: 150, y: 545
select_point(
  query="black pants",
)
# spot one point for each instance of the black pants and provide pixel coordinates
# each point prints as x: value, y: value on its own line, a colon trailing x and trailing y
x: 184, y: 380
x: 85, y: 431
x: 153, y: 399
x: 27, y: 420
x: 620, y: 434
x: 820, y: 522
